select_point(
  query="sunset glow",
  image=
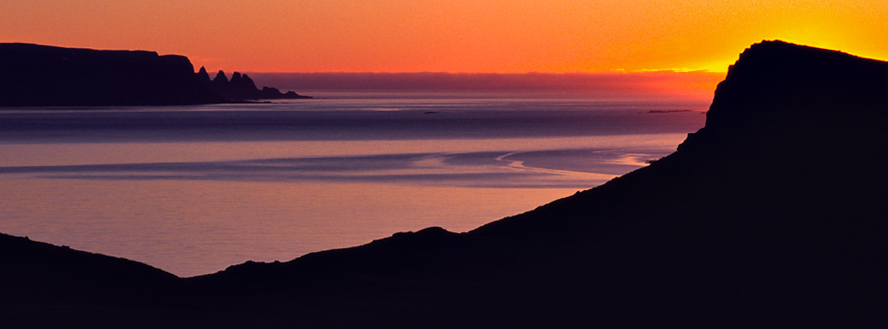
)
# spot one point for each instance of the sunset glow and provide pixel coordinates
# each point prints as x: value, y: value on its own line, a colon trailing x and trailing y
x: 501, y: 36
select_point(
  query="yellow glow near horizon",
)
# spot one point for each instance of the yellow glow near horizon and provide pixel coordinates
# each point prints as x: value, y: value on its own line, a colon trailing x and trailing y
x: 450, y: 36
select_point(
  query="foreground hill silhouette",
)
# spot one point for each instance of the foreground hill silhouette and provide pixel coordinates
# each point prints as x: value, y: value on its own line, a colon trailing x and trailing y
x: 35, y: 75
x: 772, y: 215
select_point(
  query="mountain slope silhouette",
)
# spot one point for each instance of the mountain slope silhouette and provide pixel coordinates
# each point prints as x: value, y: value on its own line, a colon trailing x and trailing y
x: 772, y: 215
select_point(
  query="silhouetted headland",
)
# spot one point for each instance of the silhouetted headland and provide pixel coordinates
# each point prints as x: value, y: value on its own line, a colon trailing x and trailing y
x: 35, y: 75
x: 772, y: 215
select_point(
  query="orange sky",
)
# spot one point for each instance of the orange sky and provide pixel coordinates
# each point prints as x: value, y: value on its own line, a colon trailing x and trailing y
x: 449, y: 36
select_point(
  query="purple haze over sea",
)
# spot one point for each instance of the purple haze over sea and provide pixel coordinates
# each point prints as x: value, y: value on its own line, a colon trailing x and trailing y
x: 194, y: 189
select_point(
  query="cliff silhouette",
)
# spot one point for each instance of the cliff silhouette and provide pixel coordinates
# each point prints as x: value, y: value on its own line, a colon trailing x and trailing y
x: 36, y: 75
x: 772, y: 215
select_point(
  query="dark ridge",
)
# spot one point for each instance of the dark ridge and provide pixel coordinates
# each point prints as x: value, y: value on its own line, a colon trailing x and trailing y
x: 67, y: 268
x: 773, y: 215
x: 44, y: 285
x: 35, y: 75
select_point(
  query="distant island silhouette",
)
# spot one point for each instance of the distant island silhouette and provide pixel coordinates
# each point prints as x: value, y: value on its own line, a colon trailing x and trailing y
x: 36, y: 75
x: 772, y: 215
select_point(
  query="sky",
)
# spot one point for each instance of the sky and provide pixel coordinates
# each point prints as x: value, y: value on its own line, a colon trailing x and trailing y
x: 473, y: 36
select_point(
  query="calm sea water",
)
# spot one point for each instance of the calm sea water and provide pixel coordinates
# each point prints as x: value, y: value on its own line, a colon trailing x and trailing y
x: 194, y: 189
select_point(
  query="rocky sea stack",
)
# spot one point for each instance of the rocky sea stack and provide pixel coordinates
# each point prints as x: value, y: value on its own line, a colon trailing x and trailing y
x: 35, y: 75
x: 772, y: 215
x: 241, y: 87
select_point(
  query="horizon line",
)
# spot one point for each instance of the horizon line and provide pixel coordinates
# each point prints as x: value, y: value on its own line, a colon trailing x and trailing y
x: 613, y: 72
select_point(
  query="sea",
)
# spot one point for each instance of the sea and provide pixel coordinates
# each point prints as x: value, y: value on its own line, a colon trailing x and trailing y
x: 195, y: 189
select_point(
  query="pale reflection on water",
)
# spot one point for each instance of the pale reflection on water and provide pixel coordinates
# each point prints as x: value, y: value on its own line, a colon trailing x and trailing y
x: 184, y: 209
x: 204, y: 226
x: 195, y: 205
